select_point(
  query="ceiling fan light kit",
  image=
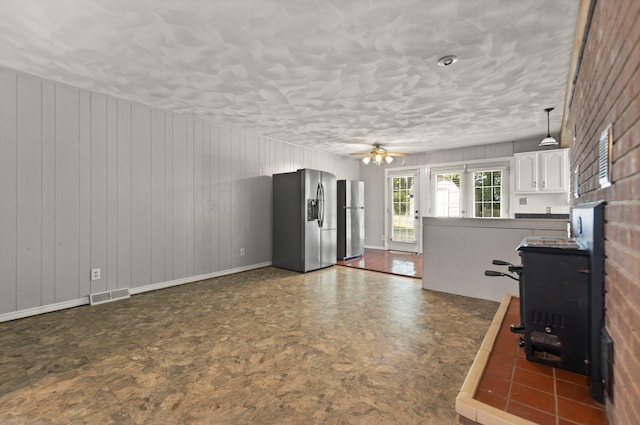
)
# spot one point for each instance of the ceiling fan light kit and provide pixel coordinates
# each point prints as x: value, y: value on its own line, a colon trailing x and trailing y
x: 378, y: 155
x: 548, y: 141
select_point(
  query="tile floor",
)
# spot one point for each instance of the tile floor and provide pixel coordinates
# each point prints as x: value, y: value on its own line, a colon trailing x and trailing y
x: 539, y: 393
x: 269, y: 346
x: 393, y: 262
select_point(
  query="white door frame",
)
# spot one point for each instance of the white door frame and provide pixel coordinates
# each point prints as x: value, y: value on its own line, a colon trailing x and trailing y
x: 388, y: 172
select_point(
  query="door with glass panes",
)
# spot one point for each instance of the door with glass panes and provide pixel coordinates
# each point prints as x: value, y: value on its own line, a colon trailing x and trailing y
x: 403, y: 211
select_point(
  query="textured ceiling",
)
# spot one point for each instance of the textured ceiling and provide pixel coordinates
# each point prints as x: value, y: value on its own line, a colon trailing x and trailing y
x: 336, y: 75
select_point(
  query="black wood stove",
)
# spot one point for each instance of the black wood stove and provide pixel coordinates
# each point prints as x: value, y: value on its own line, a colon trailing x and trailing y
x: 561, y: 286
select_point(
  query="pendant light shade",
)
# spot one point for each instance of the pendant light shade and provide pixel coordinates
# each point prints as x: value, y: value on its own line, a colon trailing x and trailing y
x: 548, y: 141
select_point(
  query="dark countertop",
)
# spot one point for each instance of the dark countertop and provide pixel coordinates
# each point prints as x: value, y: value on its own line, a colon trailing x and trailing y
x: 543, y: 216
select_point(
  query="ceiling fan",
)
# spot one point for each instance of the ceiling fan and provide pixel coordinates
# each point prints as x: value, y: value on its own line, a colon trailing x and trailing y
x: 378, y: 155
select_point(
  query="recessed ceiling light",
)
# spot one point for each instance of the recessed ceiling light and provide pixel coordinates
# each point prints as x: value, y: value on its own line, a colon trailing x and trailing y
x: 447, y: 60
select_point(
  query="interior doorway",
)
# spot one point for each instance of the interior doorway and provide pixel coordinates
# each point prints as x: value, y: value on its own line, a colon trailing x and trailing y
x: 403, y: 210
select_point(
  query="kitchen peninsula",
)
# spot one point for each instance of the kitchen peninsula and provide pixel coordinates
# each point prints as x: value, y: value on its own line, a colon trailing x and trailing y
x: 457, y: 251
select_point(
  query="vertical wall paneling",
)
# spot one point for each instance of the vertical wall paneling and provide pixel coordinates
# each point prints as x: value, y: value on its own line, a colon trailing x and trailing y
x: 141, y: 195
x: 237, y: 227
x: 148, y: 196
x: 111, y: 276
x: 158, y: 197
x: 29, y: 200
x: 198, y: 198
x: 84, y: 193
x: 206, y: 195
x: 124, y: 194
x: 67, y: 248
x: 180, y: 188
x: 248, y: 201
x: 8, y: 192
x: 214, y: 189
x: 224, y: 223
x: 246, y: 198
x: 48, y: 193
x: 169, y: 197
x: 190, y: 200
x: 266, y: 190
x: 286, y: 156
x: 99, y: 202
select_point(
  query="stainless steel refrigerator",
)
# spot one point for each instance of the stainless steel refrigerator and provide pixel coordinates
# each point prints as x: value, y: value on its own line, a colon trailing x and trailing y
x: 304, y: 220
x: 350, y: 218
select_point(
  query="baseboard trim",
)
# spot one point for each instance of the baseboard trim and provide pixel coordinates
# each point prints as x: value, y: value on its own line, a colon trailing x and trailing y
x: 34, y: 311
x: 191, y: 279
x: 49, y: 308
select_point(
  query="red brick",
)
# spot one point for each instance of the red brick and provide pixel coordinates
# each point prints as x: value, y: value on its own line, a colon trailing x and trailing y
x: 608, y: 91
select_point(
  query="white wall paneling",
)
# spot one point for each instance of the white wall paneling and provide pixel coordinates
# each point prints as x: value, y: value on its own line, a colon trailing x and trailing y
x: 29, y: 183
x: 150, y: 197
x: 67, y: 195
x: 123, y: 226
x: 84, y: 192
x: 158, y: 203
x: 8, y: 191
x: 98, y: 182
x: 48, y: 193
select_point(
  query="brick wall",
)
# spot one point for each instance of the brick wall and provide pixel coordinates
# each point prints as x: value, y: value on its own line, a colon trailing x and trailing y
x: 608, y: 91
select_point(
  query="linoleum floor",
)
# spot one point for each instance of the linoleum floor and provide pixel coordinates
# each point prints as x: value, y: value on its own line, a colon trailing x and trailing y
x: 268, y: 346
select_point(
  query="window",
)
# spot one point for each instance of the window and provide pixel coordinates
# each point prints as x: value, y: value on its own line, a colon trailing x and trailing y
x: 487, y: 193
x: 448, y: 193
x: 403, y: 207
x: 470, y: 190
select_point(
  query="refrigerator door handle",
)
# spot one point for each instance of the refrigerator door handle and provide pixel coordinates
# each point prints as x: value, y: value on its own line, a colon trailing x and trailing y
x: 321, y: 205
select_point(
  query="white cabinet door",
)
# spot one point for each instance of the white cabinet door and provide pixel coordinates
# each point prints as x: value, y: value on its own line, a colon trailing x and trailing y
x: 553, y: 174
x: 526, y: 172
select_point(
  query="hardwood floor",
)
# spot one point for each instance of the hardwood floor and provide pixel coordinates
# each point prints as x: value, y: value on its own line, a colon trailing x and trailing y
x: 393, y: 262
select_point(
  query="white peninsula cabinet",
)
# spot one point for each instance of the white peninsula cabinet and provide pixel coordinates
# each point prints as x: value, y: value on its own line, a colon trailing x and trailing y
x: 542, y: 171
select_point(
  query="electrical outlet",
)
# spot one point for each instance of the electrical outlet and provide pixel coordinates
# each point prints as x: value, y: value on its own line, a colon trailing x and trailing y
x: 95, y: 274
x: 242, y: 252
x: 382, y: 238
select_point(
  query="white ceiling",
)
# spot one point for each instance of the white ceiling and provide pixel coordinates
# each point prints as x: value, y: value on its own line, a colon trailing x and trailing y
x: 336, y: 75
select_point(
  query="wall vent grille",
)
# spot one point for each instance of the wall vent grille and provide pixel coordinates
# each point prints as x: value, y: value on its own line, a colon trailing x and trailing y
x: 105, y: 297
x: 604, y: 158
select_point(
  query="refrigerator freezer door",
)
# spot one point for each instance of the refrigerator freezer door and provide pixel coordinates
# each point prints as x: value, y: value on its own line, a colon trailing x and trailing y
x: 329, y: 247
x: 350, y: 219
x: 329, y: 220
x: 311, y: 256
x: 355, y: 237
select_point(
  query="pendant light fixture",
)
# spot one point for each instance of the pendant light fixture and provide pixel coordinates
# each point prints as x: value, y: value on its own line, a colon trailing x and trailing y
x: 548, y: 141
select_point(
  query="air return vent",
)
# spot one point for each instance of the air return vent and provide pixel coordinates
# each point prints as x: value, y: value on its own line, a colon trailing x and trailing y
x: 604, y: 158
x: 105, y: 297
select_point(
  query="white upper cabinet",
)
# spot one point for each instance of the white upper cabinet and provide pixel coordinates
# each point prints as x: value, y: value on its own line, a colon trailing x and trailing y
x: 543, y: 171
x: 526, y: 172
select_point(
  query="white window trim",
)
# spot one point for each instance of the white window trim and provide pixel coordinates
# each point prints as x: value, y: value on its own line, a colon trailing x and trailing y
x: 506, y: 164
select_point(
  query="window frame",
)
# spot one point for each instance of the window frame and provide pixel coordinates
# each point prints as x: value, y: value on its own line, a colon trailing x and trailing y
x: 467, y: 195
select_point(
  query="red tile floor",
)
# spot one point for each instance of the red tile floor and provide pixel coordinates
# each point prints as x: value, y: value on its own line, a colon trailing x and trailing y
x: 393, y: 262
x: 536, y: 392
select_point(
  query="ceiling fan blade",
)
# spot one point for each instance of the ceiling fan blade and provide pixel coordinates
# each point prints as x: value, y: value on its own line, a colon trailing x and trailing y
x: 359, y: 153
x: 397, y: 154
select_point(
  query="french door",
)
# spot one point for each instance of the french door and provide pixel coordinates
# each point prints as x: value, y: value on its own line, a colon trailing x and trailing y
x: 403, y: 211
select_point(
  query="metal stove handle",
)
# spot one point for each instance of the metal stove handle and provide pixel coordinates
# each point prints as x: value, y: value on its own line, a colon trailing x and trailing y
x: 495, y: 273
